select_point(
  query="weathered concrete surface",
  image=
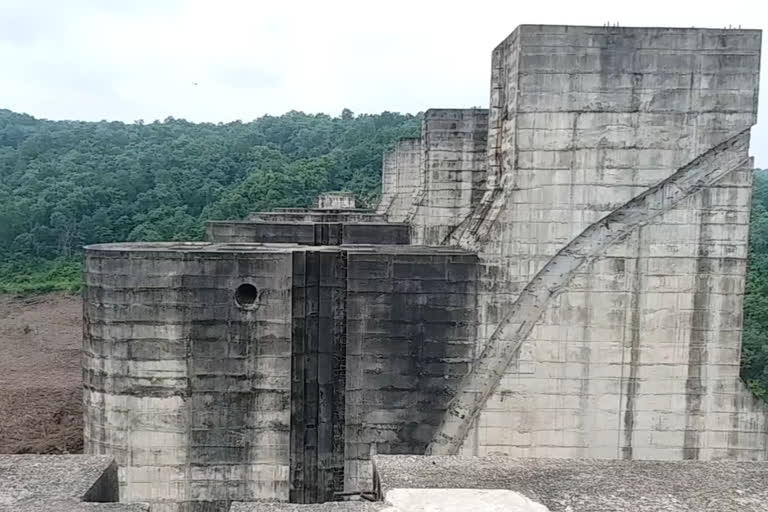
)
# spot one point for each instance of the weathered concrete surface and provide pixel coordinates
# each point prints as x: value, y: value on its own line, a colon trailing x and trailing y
x: 460, y: 500
x: 356, y: 506
x: 318, y: 374
x: 402, y: 179
x: 582, y: 485
x: 602, y: 318
x: 447, y: 178
x: 557, y: 273
x: 60, y: 483
x: 206, y: 393
x: 388, y: 182
x: 318, y: 215
x: 411, y: 321
x: 336, y: 201
x: 189, y: 391
x: 455, y: 166
x: 638, y: 354
x: 308, y: 233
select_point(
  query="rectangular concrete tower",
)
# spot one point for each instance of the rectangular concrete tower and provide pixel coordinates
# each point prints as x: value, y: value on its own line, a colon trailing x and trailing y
x: 613, y: 240
x: 445, y: 173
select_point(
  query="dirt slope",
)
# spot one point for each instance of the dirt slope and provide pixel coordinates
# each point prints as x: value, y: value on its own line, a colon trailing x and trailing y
x: 40, y: 393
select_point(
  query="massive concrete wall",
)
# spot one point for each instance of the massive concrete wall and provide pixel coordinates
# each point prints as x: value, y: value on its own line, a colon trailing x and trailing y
x: 189, y: 392
x: 634, y: 352
x: 411, y: 319
x: 381, y: 338
x: 236, y: 372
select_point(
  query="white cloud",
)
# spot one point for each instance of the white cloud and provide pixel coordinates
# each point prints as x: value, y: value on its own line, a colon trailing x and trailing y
x: 129, y: 60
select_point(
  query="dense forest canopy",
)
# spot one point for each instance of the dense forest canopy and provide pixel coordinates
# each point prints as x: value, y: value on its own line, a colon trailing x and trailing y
x: 754, y: 363
x: 69, y: 183
x: 64, y: 184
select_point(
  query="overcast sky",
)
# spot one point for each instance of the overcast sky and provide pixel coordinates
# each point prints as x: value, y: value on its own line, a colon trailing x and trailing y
x: 140, y: 59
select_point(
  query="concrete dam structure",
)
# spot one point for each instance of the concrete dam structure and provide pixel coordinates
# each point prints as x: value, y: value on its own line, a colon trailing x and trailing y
x: 560, y: 275
x: 219, y: 371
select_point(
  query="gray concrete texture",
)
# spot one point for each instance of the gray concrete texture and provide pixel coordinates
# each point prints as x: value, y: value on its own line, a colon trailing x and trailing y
x: 605, y: 330
x: 318, y: 215
x: 583, y: 485
x: 207, y: 394
x: 308, y: 233
x: 434, y: 181
x: 402, y: 181
x: 356, y: 506
x: 336, y: 200
x: 60, y: 483
x: 188, y: 390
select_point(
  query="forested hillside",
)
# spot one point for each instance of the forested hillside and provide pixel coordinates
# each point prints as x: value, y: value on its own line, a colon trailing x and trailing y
x: 65, y: 184
x: 754, y: 363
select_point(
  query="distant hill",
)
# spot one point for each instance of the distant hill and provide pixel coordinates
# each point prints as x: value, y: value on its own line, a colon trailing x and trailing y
x: 64, y: 184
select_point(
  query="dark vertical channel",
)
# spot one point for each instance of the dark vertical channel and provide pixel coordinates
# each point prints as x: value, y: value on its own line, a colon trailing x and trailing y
x: 331, y: 378
x: 634, y: 352
x: 298, y: 420
x: 697, y: 343
x: 318, y: 376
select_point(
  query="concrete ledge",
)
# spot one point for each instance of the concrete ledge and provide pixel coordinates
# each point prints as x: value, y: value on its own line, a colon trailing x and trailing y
x: 460, y: 500
x: 166, y: 249
x: 347, y: 506
x: 60, y: 483
x: 583, y: 485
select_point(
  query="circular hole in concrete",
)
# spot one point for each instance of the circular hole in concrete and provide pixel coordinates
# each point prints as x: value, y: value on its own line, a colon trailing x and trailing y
x: 246, y: 295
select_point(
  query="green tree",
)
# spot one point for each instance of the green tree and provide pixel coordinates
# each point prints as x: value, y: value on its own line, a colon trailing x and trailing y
x: 64, y: 184
x: 754, y: 364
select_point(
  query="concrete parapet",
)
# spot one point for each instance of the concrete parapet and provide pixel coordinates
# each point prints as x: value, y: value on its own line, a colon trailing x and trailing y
x: 308, y: 233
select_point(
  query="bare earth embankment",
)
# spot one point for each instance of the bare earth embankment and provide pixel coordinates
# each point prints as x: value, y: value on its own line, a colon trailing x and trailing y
x: 40, y: 387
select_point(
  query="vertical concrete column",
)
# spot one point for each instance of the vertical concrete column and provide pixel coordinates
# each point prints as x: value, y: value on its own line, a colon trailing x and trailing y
x: 409, y: 180
x: 388, y: 181
x: 455, y: 167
